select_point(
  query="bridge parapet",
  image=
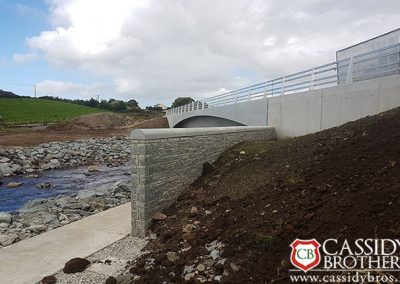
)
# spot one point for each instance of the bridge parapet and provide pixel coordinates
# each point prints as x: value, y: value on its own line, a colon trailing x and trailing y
x: 369, y: 65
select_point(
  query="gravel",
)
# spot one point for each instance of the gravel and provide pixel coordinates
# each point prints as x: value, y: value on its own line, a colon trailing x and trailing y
x: 110, y: 261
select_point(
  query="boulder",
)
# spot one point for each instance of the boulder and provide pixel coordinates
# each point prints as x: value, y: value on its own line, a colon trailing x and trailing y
x: 93, y: 168
x: 5, y: 217
x: 5, y: 169
x: 4, y: 160
x: 6, y: 240
x: 13, y: 184
x: 76, y: 265
x: 158, y: 216
x: 111, y: 280
x: 49, y: 280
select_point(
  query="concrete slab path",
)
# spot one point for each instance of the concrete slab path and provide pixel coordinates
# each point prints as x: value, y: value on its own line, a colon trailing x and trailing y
x: 28, y: 261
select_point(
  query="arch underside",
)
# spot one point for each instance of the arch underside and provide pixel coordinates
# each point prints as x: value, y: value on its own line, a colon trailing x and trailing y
x: 206, y: 121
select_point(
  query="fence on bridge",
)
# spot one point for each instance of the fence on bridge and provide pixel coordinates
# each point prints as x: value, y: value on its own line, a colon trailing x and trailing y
x: 373, y: 64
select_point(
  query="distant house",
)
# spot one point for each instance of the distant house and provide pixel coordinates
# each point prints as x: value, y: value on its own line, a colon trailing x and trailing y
x: 162, y: 106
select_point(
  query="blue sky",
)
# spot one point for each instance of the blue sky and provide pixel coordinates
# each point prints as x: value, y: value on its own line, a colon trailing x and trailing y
x: 154, y: 51
x: 20, y: 20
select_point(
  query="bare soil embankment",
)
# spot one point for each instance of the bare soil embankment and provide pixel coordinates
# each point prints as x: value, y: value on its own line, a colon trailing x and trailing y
x: 340, y: 183
x: 99, y: 125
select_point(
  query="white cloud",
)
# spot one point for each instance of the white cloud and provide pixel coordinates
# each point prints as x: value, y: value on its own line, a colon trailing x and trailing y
x: 158, y: 50
x: 24, y: 58
x: 69, y: 89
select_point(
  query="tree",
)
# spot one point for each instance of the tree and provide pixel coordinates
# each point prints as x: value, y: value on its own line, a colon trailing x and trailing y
x: 132, y: 103
x: 182, y: 101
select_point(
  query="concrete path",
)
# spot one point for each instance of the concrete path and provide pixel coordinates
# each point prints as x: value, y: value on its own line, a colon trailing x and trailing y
x: 30, y: 260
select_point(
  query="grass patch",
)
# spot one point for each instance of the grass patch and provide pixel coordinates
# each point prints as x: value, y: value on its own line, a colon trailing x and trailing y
x: 30, y: 110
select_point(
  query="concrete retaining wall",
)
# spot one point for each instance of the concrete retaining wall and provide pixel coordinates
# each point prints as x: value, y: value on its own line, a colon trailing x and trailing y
x: 168, y: 160
x: 313, y: 111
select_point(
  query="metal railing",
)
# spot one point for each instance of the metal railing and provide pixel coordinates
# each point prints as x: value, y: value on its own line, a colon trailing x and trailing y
x: 373, y: 64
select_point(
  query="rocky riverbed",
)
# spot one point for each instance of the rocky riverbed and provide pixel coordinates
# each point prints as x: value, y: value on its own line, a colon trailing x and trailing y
x: 38, y: 216
x: 53, y: 187
x: 56, y: 155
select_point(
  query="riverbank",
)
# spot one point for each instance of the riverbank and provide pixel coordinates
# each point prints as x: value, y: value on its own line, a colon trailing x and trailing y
x: 56, y: 155
x: 42, y: 215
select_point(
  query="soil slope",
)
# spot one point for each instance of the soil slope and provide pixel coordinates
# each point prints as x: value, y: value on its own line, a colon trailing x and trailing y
x: 340, y: 183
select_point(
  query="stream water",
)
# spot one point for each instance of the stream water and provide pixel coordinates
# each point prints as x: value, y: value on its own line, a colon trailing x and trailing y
x: 63, y: 182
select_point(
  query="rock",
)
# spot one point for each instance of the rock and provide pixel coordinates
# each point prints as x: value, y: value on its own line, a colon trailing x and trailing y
x: 6, y: 240
x: 201, y: 267
x: 158, y: 216
x: 208, y: 168
x: 38, y: 228
x: 5, y: 169
x: 188, y: 228
x: 13, y: 184
x: 5, y: 218
x: 189, y: 276
x: 193, y: 210
x: 63, y: 201
x: 49, y: 280
x: 234, y: 267
x: 124, y: 279
x: 93, y: 168
x: 214, y: 254
x: 4, y: 160
x: 211, y: 246
x: 111, y: 280
x: 172, y: 256
x: 4, y: 225
x: 242, y: 153
x: 43, y: 185
x: 76, y: 265
x: 50, y: 219
x: 187, y: 269
x: 73, y: 206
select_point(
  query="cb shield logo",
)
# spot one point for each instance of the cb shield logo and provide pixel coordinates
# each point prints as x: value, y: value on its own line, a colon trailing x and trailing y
x: 305, y: 254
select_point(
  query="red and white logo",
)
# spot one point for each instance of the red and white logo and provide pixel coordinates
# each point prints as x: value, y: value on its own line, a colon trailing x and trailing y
x: 305, y: 254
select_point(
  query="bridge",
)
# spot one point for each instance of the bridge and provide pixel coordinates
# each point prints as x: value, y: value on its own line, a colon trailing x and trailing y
x: 305, y: 102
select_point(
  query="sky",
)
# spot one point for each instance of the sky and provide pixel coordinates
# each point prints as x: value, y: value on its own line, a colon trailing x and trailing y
x: 154, y: 51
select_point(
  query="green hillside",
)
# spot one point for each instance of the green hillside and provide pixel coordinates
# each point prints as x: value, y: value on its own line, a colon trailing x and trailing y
x: 32, y: 110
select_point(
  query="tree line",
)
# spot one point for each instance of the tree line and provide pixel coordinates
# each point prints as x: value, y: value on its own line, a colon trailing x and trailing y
x: 111, y: 104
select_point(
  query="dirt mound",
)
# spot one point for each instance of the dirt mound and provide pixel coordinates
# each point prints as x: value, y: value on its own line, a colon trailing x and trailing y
x: 340, y: 183
x: 100, y: 120
x: 158, y: 122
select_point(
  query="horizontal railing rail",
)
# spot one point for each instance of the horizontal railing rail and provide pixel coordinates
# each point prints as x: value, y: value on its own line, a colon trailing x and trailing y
x: 372, y: 64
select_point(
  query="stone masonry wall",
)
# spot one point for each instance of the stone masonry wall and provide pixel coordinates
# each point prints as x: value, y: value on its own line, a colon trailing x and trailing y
x: 165, y: 161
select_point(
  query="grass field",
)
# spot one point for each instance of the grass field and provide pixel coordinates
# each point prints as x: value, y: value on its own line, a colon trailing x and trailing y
x: 32, y: 110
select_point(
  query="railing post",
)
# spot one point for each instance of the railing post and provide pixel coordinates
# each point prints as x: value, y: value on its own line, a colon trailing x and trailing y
x: 350, y: 72
x: 311, y: 86
x: 283, y: 85
x: 265, y: 90
x: 398, y: 60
